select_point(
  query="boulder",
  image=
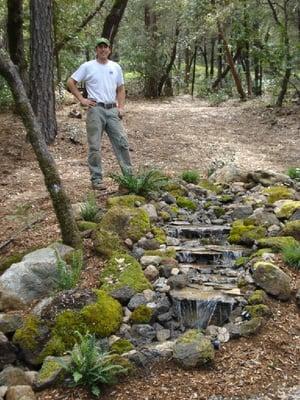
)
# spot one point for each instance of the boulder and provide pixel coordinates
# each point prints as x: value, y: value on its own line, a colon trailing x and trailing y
x: 269, y: 178
x: 285, y: 209
x: 51, y: 372
x: 20, y: 392
x: 12, y: 376
x: 272, y: 279
x: 7, y: 351
x: 227, y: 174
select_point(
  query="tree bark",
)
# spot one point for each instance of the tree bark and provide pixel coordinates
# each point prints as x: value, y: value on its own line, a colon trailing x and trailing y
x: 60, y: 201
x: 226, y: 70
x: 112, y: 21
x: 151, y: 74
x: 15, y: 38
x: 42, y: 67
x: 212, y: 58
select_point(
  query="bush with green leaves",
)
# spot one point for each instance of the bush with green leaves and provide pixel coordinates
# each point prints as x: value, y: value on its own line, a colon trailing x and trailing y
x: 190, y: 176
x: 291, y: 255
x: 141, y: 183
x: 294, y: 173
x: 89, y: 209
x: 90, y: 366
x: 68, y: 275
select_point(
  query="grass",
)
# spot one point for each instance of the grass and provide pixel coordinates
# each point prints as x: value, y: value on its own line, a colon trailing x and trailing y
x: 291, y: 255
x: 89, y: 209
x: 190, y: 176
x: 294, y: 173
x: 68, y: 275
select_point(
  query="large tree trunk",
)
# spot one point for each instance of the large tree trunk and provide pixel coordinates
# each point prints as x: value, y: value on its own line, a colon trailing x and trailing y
x: 112, y: 21
x: 41, y: 67
x: 151, y: 75
x: 15, y: 38
x: 61, y: 203
x: 226, y: 70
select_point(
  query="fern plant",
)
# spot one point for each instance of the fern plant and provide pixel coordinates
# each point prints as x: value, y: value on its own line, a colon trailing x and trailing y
x: 89, y: 209
x: 291, y: 255
x: 68, y: 275
x: 90, y: 366
x: 190, y: 176
x: 141, y: 183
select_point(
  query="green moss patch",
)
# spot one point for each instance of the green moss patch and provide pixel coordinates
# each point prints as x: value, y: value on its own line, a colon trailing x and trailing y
x: 277, y: 243
x: 27, y: 336
x: 159, y: 234
x: 167, y: 253
x: 86, y: 225
x: 276, y: 193
x: 105, y: 242
x: 208, y: 185
x: 129, y: 200
x: 258, y: 310
x: 257, y: 297
x: 292, y: 228
x: 244, y: 232
x: 121, y: 346
x: 287, y: 209
x: 185, y: 202
x: 141, y: 315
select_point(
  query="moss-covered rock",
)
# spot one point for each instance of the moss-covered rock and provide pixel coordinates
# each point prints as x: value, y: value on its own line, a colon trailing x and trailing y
x: 121, y: 346
x: 219, y: 211
x: 258, y: 310
x: 86, y: 225
x: 185, y: 202
x: 276, y: 193
x: 208, y: 185
x: 277, y: 243
x: 105, y: 242
x: 261, y: 252
x: 170, y: 252
x: 251, y: 327
x: 257, y: 297
x: 164, y: 215
x: 159, y: 234
x: 272, y: 279
x: 104, y: 317
x: 241, y: 261
x: 127, y: 222
x: 175, y: 189
x: 226, y: 198
x: 6, y: 262
x: 245, y: 232
x: 284, y: 209
x: 52, y: 372
x: 123, y: 270
x: 292, y: 228
x: 129, y: 200
x: 141, y: 315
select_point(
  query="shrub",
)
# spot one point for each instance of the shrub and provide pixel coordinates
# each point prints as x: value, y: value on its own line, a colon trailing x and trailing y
x: 68, y: 275
x: 294, y: 173
x: 190, y: 176
x: 90, y: 366
x: 142, y: 183
x: 89, y: 210
x: 291, y: 255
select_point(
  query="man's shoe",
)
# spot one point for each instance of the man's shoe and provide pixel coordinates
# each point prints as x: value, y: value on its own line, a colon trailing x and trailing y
x: 98, y: 185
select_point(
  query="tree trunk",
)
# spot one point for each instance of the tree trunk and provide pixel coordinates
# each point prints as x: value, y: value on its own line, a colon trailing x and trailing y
x: 61, y: 203
x: 204, y: 54
x: 212, y: 58
x: 188, y: 64
x: 247, y: 69
x: 112, y: 21
x: 15, y: 38
x: 194, y: 69
x: 220, y: 57
x: 41, y: 67
x: 226, y: 70
x: 151, y: 71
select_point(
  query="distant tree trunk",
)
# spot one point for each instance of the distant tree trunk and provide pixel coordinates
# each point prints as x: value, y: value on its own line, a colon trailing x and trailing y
x: 61, y: 203
x: 42, y: 67
x: 194, y: 69
x: 188, y: 64
x: 15, y: 37
x: 212, y: 57
x: 152, y: 72
x: 113, y: 19
x: 226, y: 70
x: 247, y: 69
x: 204, y: 53
x: 220, y: 57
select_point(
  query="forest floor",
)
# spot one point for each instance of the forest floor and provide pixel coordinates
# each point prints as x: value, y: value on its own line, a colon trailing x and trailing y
x: 172, y: 135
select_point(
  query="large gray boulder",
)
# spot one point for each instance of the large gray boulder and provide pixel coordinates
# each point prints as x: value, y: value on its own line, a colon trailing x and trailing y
x: 272, y: 279
x: 35, y: 276
x: 193, y: 349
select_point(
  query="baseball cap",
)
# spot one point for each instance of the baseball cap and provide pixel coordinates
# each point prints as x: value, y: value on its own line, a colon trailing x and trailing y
x: 103, y: 41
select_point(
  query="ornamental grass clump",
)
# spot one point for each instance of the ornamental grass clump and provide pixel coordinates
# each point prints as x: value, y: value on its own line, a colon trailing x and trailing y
x: 68, y: 275
x: 291, y: 255
x: 90, y: 366
x: 89, y: 209
x: 190, y: 176
x: 141, y: 183
x: 294, y: 173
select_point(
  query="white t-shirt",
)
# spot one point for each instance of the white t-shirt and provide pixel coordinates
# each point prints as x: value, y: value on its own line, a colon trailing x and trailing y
x: 101, y: 80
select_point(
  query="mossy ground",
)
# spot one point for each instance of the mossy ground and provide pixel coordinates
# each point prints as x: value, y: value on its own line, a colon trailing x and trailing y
x: 276, y: 193
x: 244, y: 232
x: 277, y: 243
x: 129, y: 200
x: 141, y: 315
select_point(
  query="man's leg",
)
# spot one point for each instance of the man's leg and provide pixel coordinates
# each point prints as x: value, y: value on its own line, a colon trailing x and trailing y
x: 118, y: 138
x: 94, y: 128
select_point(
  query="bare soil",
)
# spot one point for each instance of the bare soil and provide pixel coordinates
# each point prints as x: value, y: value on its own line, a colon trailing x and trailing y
x: 172, y: 135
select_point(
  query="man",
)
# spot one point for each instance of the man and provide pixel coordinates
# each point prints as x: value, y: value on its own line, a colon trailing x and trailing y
x: 104, y: 83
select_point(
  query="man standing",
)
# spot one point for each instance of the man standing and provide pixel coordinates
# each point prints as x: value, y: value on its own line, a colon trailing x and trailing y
x: 104, y: 83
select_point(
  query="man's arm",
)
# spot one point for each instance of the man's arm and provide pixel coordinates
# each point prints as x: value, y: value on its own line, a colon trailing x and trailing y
x: 121, y: 100
x: 72, y: 85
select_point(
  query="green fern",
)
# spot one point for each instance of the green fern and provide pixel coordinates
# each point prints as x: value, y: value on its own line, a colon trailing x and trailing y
x: 89, y: 209
x: 291, y: 255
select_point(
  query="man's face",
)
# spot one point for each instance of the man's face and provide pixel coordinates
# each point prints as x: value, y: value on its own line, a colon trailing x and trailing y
x: 103, y: 51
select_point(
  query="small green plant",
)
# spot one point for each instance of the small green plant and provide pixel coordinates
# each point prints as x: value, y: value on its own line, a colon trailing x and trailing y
x: 294, y: 173
x: 90, y: 366
x: 68, y: 275
x: 291, y: 255
x: 141, y: 183
x: 190, y: 176
x: 89, y: 210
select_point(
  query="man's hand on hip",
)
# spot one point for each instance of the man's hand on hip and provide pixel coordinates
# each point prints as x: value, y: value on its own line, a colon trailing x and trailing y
x: 88, y: 102
x: 121, y: 112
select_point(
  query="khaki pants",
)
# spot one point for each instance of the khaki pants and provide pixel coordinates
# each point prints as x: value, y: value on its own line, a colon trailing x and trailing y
x: 98, y: 120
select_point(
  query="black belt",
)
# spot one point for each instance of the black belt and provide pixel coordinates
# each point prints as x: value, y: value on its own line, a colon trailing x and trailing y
x: 107, y: 106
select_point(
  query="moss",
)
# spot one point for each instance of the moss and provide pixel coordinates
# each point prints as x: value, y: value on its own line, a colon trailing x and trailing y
x: 167, y: 253
x: 251, y: 327
x: 164, y: 215
x: 261, y: 252
x: 27, y: 336
x: 241, y: 261
x: 159, y: 234
x: 257, y: 297
x: 276, y: 193
x: 141, y: 315
x: 139, y: 225
x: 258, y: 310
x: 121, y: 346
x: 175, y: 189
x: 105, y: 243
x: 86, y: 225
x: 50, y: 369
x: 287, y: 209
x: 190, y: 336
x: 226, y: 198
x: 185, y: 202
x: 208, y: 185
x: 174, y: 209
x: 292, y: 228
x: 243, y: 232
x: 123, y: 270
x: 54, y: 347
x: 125, y: 201
x: 208, y: 204
x: 104, y: 317
x: 219, y: 211
x: 277, y: 243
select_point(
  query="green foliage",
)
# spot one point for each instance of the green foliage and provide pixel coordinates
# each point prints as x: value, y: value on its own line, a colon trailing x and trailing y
x: 185, y: 202
x: 278, y: 193
x: 89, y: 209
x: 121, y: 346
x: 141, y: 183
x: 294, y: 173
x: 291, y: 255
x: 141, y: 315
x: 68, y: 275
x: 90, y: 366
x: 190, y: 176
